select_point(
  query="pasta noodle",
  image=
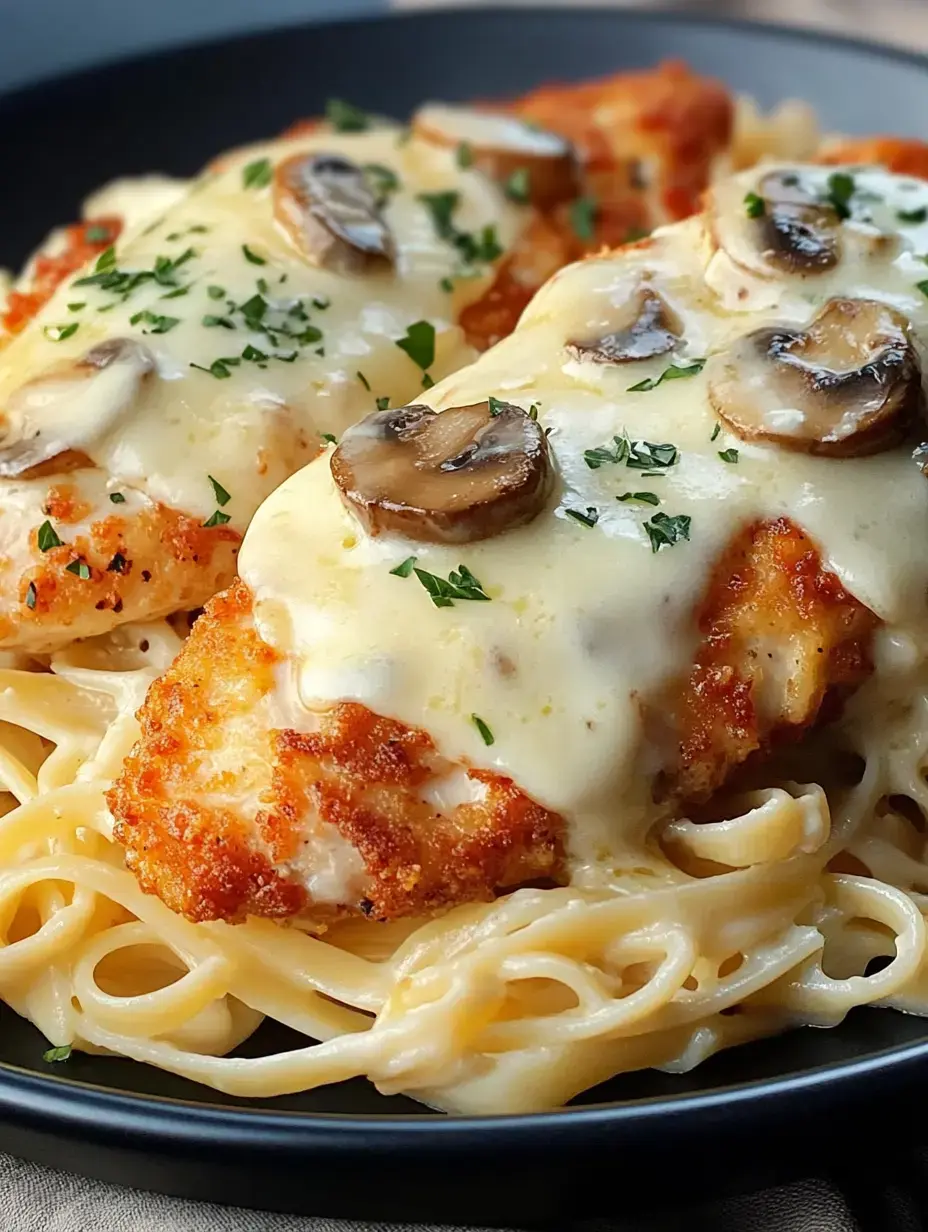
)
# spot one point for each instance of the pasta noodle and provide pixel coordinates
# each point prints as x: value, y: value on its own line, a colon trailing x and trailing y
x: 510, y: 1006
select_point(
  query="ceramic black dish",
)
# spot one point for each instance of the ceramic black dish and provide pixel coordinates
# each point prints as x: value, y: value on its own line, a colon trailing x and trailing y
x: 752, y: 1115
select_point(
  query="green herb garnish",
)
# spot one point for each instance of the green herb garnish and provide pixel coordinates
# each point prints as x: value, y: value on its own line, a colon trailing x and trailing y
x: 840, y: 191
x: 345, y: 117
x: 58, y: 333
x: 404, y: 569
x: 61, y: 1053
x: 715, y: 432
x: 216, y: 519
x: 31, y: 595
x: 644, y: 498
x: 664, y: 531
x: 590, y: 518
x: 728, y: 455
x: 159, y: 324
x: 518, y: 186
x: 363, y: 379
x: 464, y: 156
x: 485, y: 734
x: 258, y: 174
x: 79, y: 568
x: 117, y: 564
x: 675, y: 372
x: 754, y: 206
x: 117, y: 498
x: 918, y: 215
x: 48, y: 537
x: 222, y: 496
x: 582, y: 216
x: 419, y: 344
x: 253, y: 257
x: 461, y: 584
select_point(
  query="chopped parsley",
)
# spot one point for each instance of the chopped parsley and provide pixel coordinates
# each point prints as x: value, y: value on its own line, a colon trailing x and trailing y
x: 95, y: 234
x: 215, y: 292
x: 31, y: 595
x: 464, y: 156
x: 58, y: 333
x: 446, y: 284
x: 80, y: 569
x: 211, y: 321
x: 639, y: 455
x: 918, y: 215
x: 475, y: 248
x: 715, y: 432
x: 117, y: 498
x: 582, y: 216
x: 345, y: 117
x: 383, y: 403
x: 644, y: 498
x: 427, y: 381
x: 404, y: 569
x: 117, y: 564
x: 216, y: 519
x: 48, y: 537
x: 496, y: 405
x: 518, y: 186
x: 840, y: 190
x: 176, y: 293
x: 363, y: 379
x: 109, y: 277
x: 923, y: 287
x: 461, y: 584
x: 754, y: 206
x: 485, y: 734
x: 219, y: 368
x: 419, y: 344
x: 382, y: 180
x: 106, y: 260
x: 590, y: 518
x: 76, y: 307
x: 159, y: 324
x: 61, y: 1053
x: 252, y: 256
x: 533, y: 412
x: 258, y: 174
x: 728, y: 455
x: 222, y: 496
x: 329, y: 438
x: 664, y: 531
x: 674, y: 373
x: 322, y: 304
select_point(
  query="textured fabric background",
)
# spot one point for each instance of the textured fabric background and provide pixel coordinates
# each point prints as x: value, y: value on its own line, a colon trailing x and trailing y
x: 34, y: 1199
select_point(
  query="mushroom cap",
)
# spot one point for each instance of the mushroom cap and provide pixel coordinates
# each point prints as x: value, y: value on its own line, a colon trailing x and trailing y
x: 797, y: 233
x: 502, y: 145
x: 651, y: 329
x: 61, y: 412
x: 846, y: 386
x: 453, y: 476
x: 332, y: 213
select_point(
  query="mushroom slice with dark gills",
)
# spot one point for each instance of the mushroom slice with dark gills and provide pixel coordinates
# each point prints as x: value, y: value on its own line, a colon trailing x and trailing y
x: 650, y: 329
x: 535, y: 165
x: 792, y: 229
x: 454, y: 476
x: 331, y: 212
x: 60, y: 413
x: 847, y: 385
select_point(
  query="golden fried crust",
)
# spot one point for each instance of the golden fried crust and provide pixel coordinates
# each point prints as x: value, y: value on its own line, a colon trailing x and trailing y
x: 215, y: 808
x: 783, y: 643
x: 896, y: 154
x: 142, y: 566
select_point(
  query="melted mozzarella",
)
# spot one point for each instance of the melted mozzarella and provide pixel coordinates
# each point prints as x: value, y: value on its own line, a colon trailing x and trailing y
x: 260, y: 418
x: 583, y: 621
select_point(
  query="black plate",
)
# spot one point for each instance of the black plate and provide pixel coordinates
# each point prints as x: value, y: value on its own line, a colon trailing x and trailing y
x: 745, y: 1118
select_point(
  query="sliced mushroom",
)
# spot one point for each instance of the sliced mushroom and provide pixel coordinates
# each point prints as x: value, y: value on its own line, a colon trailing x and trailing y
x: 795, y: 231
x: 846, y: 386
x: 62, y: 412
x: 462, y: 474
x: 503, y: 147
x: 331, y: 212
x: 651, y: 329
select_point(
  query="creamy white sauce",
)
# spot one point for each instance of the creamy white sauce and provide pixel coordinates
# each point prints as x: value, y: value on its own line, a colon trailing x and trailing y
x: 255, y: 426
x: 584, y: 620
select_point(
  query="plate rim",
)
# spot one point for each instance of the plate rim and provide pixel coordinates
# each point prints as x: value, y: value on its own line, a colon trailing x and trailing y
x: 57, y: 1103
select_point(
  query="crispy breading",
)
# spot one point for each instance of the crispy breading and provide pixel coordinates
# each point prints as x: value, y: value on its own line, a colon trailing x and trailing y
x: 223, y: 815
x: 120, y: 567
x: 897, y: 154
x: 782, y: 644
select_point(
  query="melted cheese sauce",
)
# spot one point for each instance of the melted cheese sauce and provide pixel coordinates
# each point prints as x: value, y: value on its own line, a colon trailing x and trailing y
x: 260, y: 418
x: 584, y: 620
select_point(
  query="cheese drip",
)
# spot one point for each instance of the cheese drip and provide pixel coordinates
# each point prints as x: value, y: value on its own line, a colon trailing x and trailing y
x: 214, y: 248
x: 583, y: 621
